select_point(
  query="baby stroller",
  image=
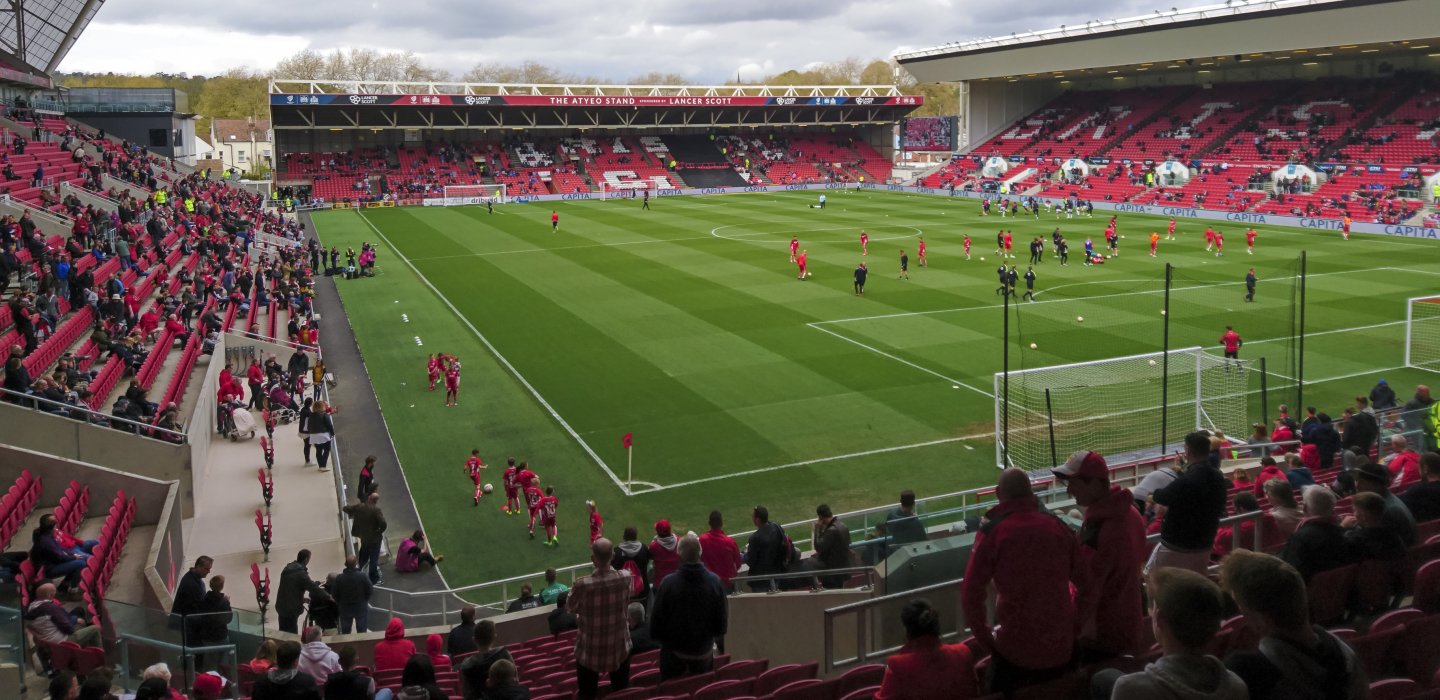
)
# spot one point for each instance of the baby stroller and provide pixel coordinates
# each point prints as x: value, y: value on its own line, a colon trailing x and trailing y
x: 236, y: 421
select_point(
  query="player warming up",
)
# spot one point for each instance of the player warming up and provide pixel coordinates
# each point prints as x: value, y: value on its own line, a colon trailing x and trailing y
x: 801, y: 262
x: 920, y: 254
x: 794, y: 247
x: 1232, y: 342
x: 1209, y: 239
x: 1009, y: 245
x: 1219, y: 244
x: 1089, y: 250
x: 904, y: 267
x: 452, y: 382
x: 967, y: 246
x: 1250, y: 241
x: 864, y: 242
x: 1170, y: 233
x: 1154, y: 242
x: 597, y: 526
x: 532, y: 499
x: 1345, y: 227
x: 548, y: 504
x: 433, y: 369
x: 554, y: 221
x: 473, y: 467
x: 512, y: 488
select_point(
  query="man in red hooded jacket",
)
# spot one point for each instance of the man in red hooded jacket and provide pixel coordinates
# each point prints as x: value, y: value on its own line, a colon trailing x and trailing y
x: 663, y: 553
x: 1112, y: 546
x: 1268, y: 470
x: 1033, y: 558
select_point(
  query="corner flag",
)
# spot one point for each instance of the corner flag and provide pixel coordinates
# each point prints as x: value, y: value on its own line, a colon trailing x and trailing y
x: 625, y: 441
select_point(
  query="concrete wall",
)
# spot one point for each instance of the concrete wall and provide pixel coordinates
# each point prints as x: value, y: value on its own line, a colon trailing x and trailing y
x: 48, y: 224
x: 989, y: 108
x: 122, y: 452
x: 201, y: 426
x: 107, y: 182
x: 156, y: 503
x: 88, y: 197
x: 788, y: 628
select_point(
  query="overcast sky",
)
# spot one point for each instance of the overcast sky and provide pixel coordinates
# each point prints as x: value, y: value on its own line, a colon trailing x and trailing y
x: 704, y: 41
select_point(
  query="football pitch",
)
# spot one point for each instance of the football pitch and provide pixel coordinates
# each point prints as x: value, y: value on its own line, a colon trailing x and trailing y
x: 686, y: 326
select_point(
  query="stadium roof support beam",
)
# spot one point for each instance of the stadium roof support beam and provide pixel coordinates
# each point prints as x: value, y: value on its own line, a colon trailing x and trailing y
x: 77, y: 26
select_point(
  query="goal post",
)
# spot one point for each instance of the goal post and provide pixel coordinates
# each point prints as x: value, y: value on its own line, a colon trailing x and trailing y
x: 463, y: 195
x: 1422, y: 333
x: 625, y: 190
x: 1113, y: 407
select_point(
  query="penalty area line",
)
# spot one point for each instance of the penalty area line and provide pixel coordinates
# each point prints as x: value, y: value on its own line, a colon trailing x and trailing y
x: 821, y: 460
x: 500, y: 357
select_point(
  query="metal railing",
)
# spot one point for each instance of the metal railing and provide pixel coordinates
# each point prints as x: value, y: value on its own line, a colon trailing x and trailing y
x: 814, y: 577
x: 870, y: 628
x: 187, y: 658
x: 15, y: 398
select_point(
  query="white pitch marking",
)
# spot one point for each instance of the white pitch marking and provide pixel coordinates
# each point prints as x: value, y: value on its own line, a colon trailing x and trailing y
x: 498, y: 356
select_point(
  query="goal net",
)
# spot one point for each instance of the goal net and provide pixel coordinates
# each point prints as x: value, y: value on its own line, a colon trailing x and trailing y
x: 1422, y: 333
x: 1114, y: 407
x: 461, y: 195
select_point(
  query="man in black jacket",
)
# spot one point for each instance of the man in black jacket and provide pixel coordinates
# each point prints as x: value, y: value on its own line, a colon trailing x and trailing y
x: 768, y: 551
x: 1191, y: 507
x: 560, y: 619
x: 1319, y: 543
x: 285, y: 681
x: 352, y: 594
x: 1361, y: 428
x: 189, y: 596
x: 295, y: 582
x: 690, y: 612
x: 1423, y: 497
x: 462, y: 636
x: 632, y: 550
x: 640, y: 641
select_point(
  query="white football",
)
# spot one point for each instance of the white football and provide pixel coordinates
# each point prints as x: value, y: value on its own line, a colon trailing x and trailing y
x: 1079, y: 318
x: 1152, y: 363
x: 1032, y: 346
x: 489, y: 488
x: 982, y: 259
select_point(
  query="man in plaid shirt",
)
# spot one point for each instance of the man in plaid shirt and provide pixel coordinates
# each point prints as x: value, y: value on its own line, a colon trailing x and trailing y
x: 603, y: 645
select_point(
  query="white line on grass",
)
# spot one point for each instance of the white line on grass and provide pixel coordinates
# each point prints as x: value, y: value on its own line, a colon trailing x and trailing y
x: 905, y: 362
x: 498, y: 356
x: 821, y: 460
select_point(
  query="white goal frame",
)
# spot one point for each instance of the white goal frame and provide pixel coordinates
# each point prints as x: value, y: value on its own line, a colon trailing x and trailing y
x: 469, y: 195
x: 1428, y: 325
x: 638, y: 191
x: 1210, y: 386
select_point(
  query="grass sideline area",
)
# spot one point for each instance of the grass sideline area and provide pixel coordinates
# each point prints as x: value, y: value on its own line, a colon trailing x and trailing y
x: 744, y: 386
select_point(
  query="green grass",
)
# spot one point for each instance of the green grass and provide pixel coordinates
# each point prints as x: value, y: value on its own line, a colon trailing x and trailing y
x: 743, y: 386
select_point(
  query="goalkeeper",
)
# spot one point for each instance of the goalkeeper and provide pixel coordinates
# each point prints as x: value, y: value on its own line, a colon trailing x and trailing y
x: 821, y: 205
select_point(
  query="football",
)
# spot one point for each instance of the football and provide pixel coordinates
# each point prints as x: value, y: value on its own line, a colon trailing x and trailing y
x: 1152, y: 362
x: 1032, y: 346
x: 489, y: 488
x: 1079, y: 318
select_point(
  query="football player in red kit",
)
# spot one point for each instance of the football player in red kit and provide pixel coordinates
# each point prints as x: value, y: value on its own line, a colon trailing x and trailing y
x: 1250, y: 241
x: 864, y: 242
x: 801, y: 262
x: 532, y: 499
x: 548, y: 504
x: 1219, y: 244
x: 473, y: 467
x: 597, y: 526
x: 433, y: 369
x: 967, y: 246
x: 452, y: 382
x: 1009, y: 244
x: 1170, y: 235
x: 1209, y: 238
x: 512, y: 489
x: 794, y: 247
x: 524, y: 478
x: 920, y: 254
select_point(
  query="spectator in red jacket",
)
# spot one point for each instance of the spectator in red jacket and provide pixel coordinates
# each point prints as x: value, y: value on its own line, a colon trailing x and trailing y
x: 1270, y: 533
x: 719, y: 552
x: 1268, y: 470
x: 1404, y: 463
x: 1112, y: 545
x: 663, y: 553
x: 394, y: 650
x: 1032, y: 557
x: 1282, y: 433
x: 925, y: 669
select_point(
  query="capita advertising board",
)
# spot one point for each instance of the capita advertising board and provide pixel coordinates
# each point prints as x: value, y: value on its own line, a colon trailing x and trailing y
x: 1244, y: 218
x: 318, y: 100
